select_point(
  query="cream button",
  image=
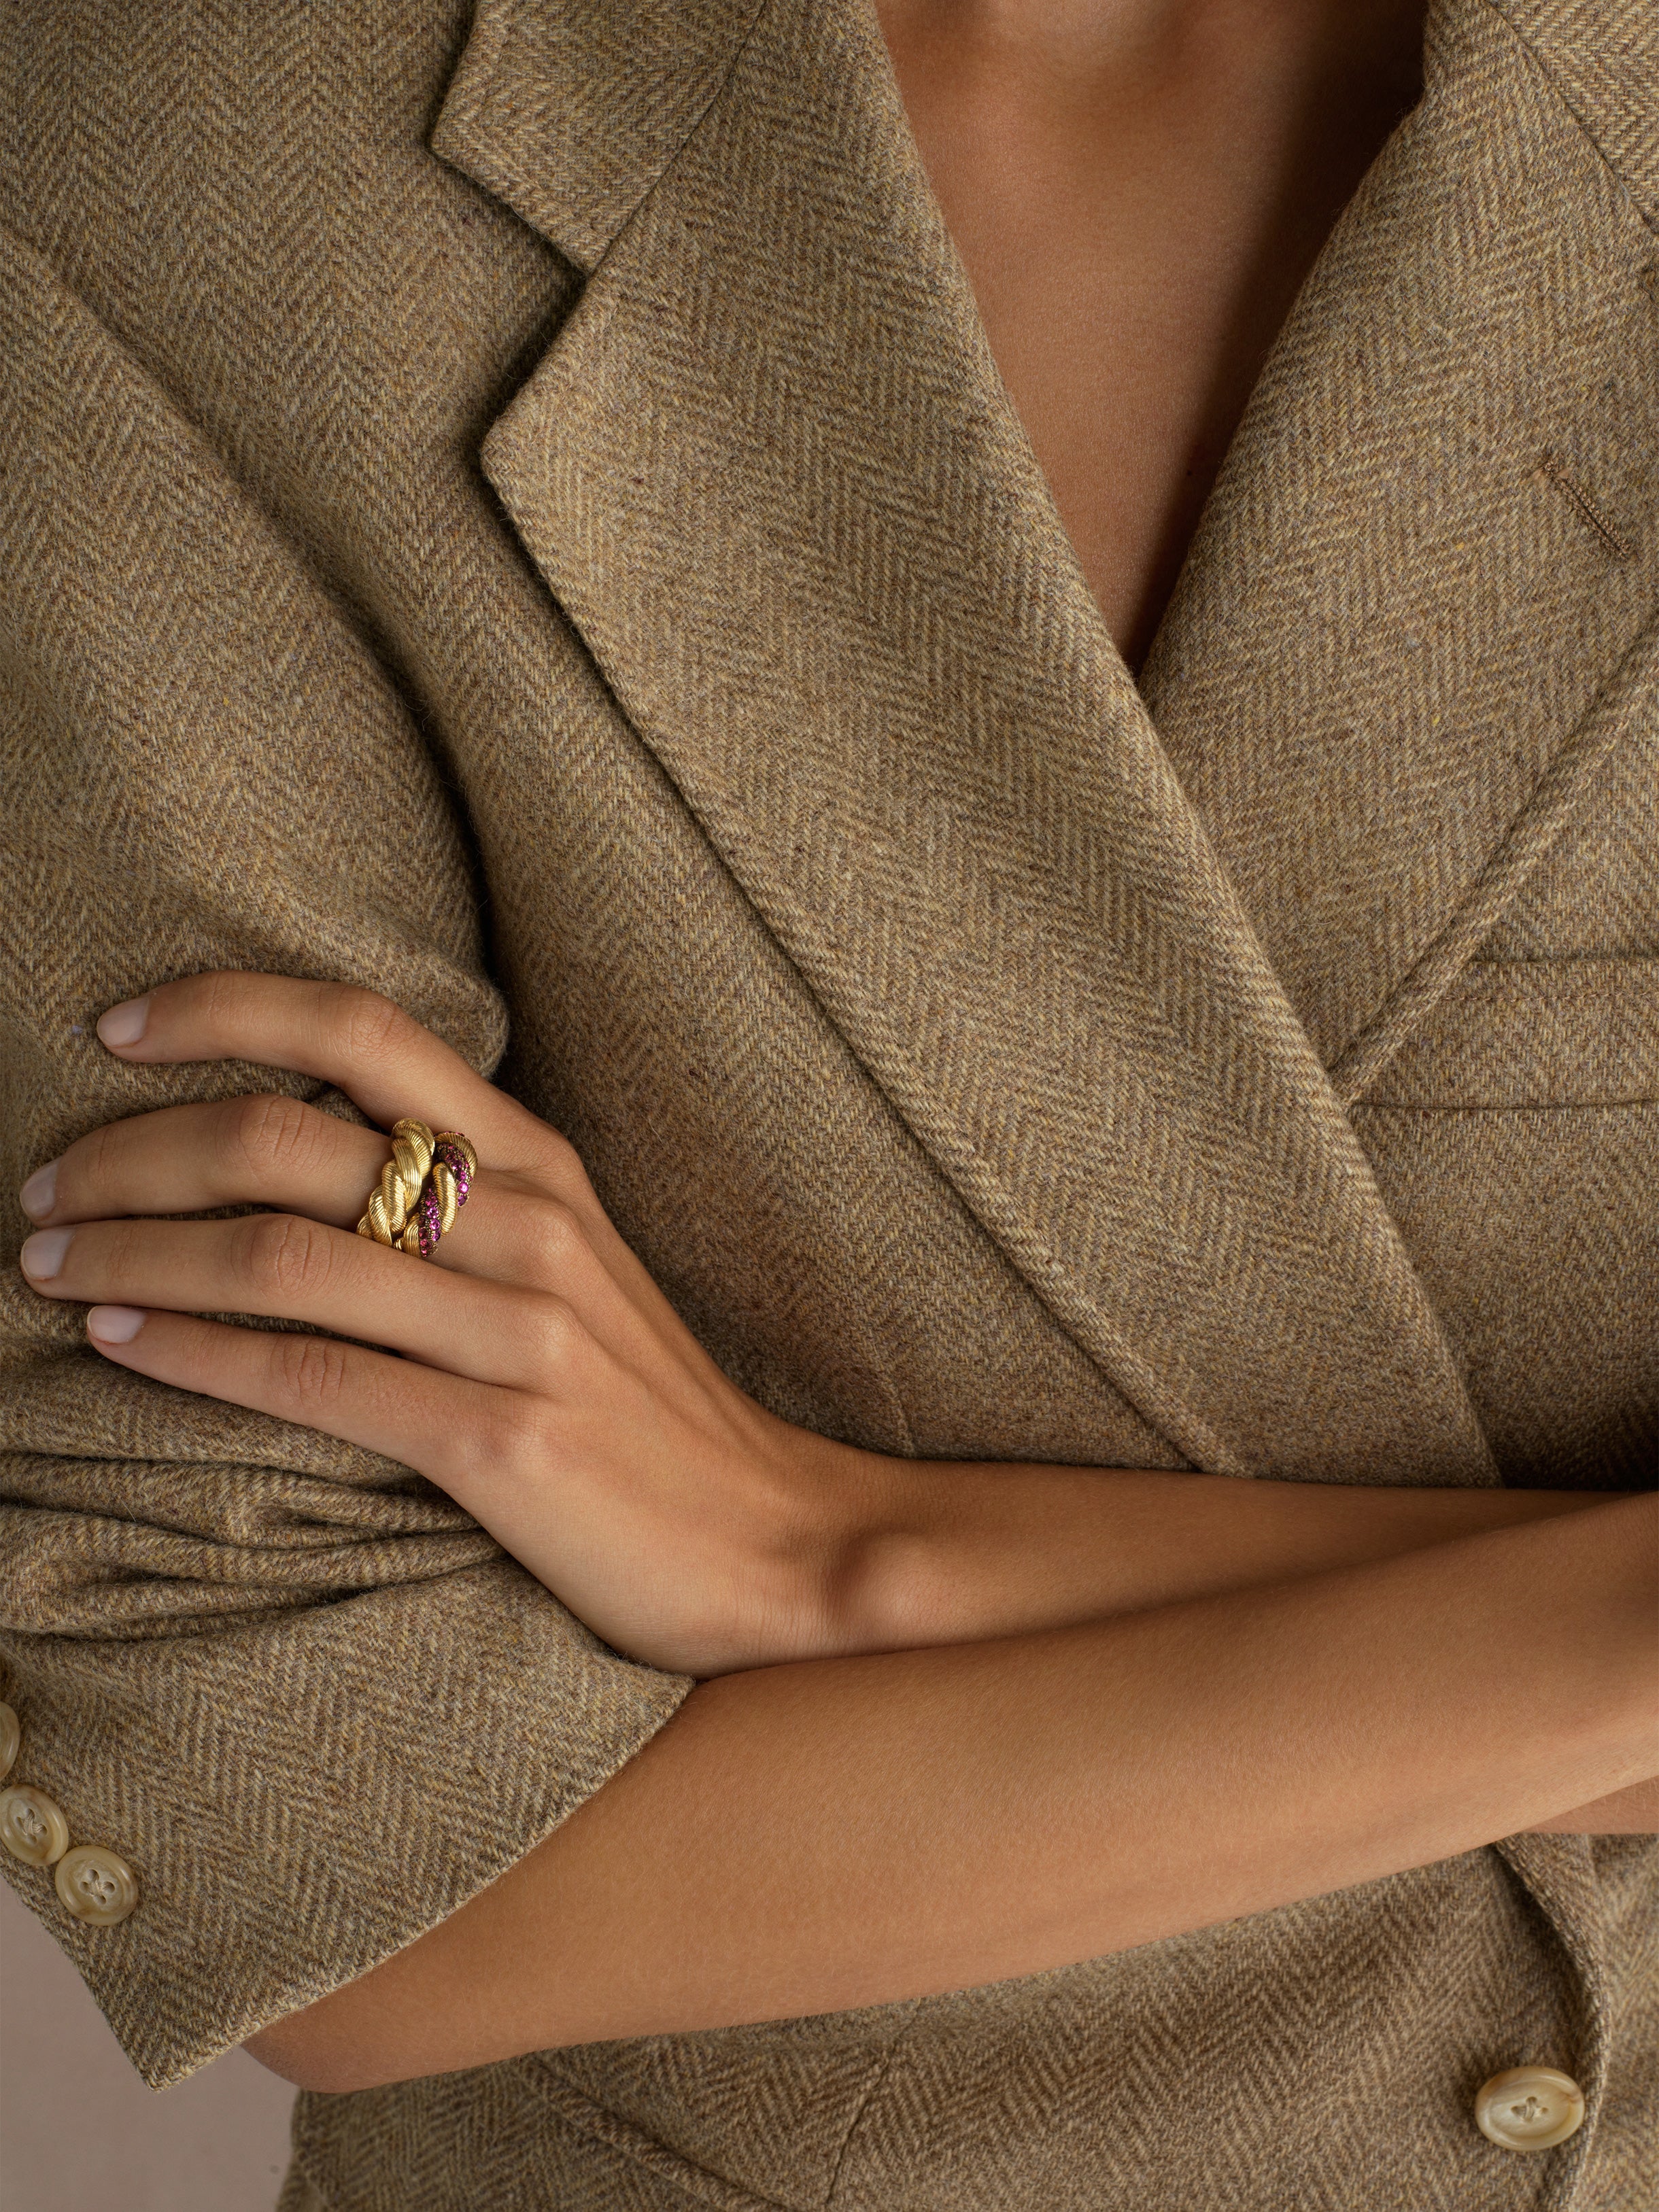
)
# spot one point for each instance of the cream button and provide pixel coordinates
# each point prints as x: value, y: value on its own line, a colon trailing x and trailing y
x: 31, y: 1828
x: 11, y: 1735
x: 95, y: 1885
x: 1529, y: 2108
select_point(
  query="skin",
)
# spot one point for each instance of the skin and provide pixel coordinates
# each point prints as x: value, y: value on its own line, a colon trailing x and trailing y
x: 954, y: 1721
x: 940, y: 1737
x: 1137, y: 189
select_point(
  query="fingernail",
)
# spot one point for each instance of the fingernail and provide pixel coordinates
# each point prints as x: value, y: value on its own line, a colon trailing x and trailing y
x: 42, y: 1255
x: 124, y: 1025
x: 40, y: 1191
x: 115, y: 1324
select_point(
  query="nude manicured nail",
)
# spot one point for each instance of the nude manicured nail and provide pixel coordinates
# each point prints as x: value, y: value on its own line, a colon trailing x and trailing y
x: 39, y: 1193
x: 115, y: 1324
x: 124, y: 1025
x: 42, y: 1255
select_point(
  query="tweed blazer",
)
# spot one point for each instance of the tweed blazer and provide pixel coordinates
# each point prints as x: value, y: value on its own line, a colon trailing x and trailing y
x: 515, y: 508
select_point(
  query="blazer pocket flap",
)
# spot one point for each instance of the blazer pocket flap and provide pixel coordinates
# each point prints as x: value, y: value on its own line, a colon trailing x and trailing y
x: 1572, y: 1032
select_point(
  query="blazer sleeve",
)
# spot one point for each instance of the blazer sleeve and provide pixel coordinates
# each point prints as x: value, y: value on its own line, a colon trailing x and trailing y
x: 312, y: 1704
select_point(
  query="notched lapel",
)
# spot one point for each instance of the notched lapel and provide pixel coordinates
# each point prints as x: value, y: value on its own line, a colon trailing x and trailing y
x: 570, y: 111
x: 769, y: 470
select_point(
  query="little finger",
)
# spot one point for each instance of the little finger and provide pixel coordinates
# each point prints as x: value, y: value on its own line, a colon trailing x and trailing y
x: 446, y: 1426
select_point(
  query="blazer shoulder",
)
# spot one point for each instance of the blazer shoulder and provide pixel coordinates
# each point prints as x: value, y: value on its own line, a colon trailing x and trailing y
x: 1603, y: 58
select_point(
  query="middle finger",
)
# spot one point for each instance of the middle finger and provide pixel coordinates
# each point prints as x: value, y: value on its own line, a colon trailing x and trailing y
x: 265, y: 1149
x: 287, y: 1267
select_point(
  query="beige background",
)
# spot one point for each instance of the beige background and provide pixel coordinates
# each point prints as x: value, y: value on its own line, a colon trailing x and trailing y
x: 79, y: 2131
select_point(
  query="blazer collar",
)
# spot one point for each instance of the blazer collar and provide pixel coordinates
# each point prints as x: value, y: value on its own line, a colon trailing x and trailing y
x: 571, y: 110
x: 768, y: 469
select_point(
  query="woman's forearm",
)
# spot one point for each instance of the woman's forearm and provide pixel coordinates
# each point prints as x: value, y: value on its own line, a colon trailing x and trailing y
x: 838, y: 1832
x: 1632, y: 1811
x: 951, y: 1551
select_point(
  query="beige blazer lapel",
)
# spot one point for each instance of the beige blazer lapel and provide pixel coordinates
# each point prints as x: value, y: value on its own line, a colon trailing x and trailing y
x: 768, y: 469
x: 1415, y: 617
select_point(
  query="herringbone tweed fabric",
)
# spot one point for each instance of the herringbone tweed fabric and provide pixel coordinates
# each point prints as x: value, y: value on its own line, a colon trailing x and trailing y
x: 520, y: 513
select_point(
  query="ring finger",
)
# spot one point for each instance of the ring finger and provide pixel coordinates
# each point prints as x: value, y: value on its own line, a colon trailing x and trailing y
x: 288, y: 1266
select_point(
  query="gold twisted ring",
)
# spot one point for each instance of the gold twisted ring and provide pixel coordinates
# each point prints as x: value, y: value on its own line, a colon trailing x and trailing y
x: 401, y: 1179
x: 422, y: 1187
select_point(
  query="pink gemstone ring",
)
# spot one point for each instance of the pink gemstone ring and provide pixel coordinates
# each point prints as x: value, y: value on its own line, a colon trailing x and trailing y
x: 444, y: 1194
x: 422, y: 1187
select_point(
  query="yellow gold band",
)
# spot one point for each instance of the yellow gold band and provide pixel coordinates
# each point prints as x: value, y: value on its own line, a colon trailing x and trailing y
x: 422, y: 1188
x: 399, y: 1187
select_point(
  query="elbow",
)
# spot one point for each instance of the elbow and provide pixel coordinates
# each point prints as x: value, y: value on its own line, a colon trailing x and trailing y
x: 284, y: 2049
x: 313, y: 2050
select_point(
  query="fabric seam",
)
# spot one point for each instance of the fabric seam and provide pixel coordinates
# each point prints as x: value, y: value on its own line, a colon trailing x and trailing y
x: 1523, y: 1106
x: 1613, y: 538
x: 601, y: 2126
x: 692, y: 131
x: 865, y: 2103
x: 1565, y: 98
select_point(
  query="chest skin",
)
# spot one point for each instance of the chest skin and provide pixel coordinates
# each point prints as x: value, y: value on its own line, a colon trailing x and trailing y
x: 1137, y: 196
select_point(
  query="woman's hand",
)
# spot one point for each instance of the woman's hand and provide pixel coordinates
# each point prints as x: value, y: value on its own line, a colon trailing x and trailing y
x: 548, y: 1387
x: 545, y: 1382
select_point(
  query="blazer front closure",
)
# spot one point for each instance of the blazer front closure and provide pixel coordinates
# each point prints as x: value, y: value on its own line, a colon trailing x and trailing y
x: 1125, y: 959
x: 769, y: 470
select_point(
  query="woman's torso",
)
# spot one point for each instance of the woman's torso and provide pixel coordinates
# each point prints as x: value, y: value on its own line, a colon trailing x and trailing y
x: 790, y: 1011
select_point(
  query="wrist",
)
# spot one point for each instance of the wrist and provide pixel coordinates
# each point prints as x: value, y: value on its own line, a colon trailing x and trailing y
x: 845, y: 1592
x: 911, y: 1555
x: 868, y: 1551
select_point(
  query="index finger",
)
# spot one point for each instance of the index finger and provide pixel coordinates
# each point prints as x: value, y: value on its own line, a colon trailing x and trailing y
x: 384, y: 1060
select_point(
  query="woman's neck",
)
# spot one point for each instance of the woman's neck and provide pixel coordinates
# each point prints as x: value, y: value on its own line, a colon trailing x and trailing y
x: 1078, y: 38
x: 1138, y: 189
